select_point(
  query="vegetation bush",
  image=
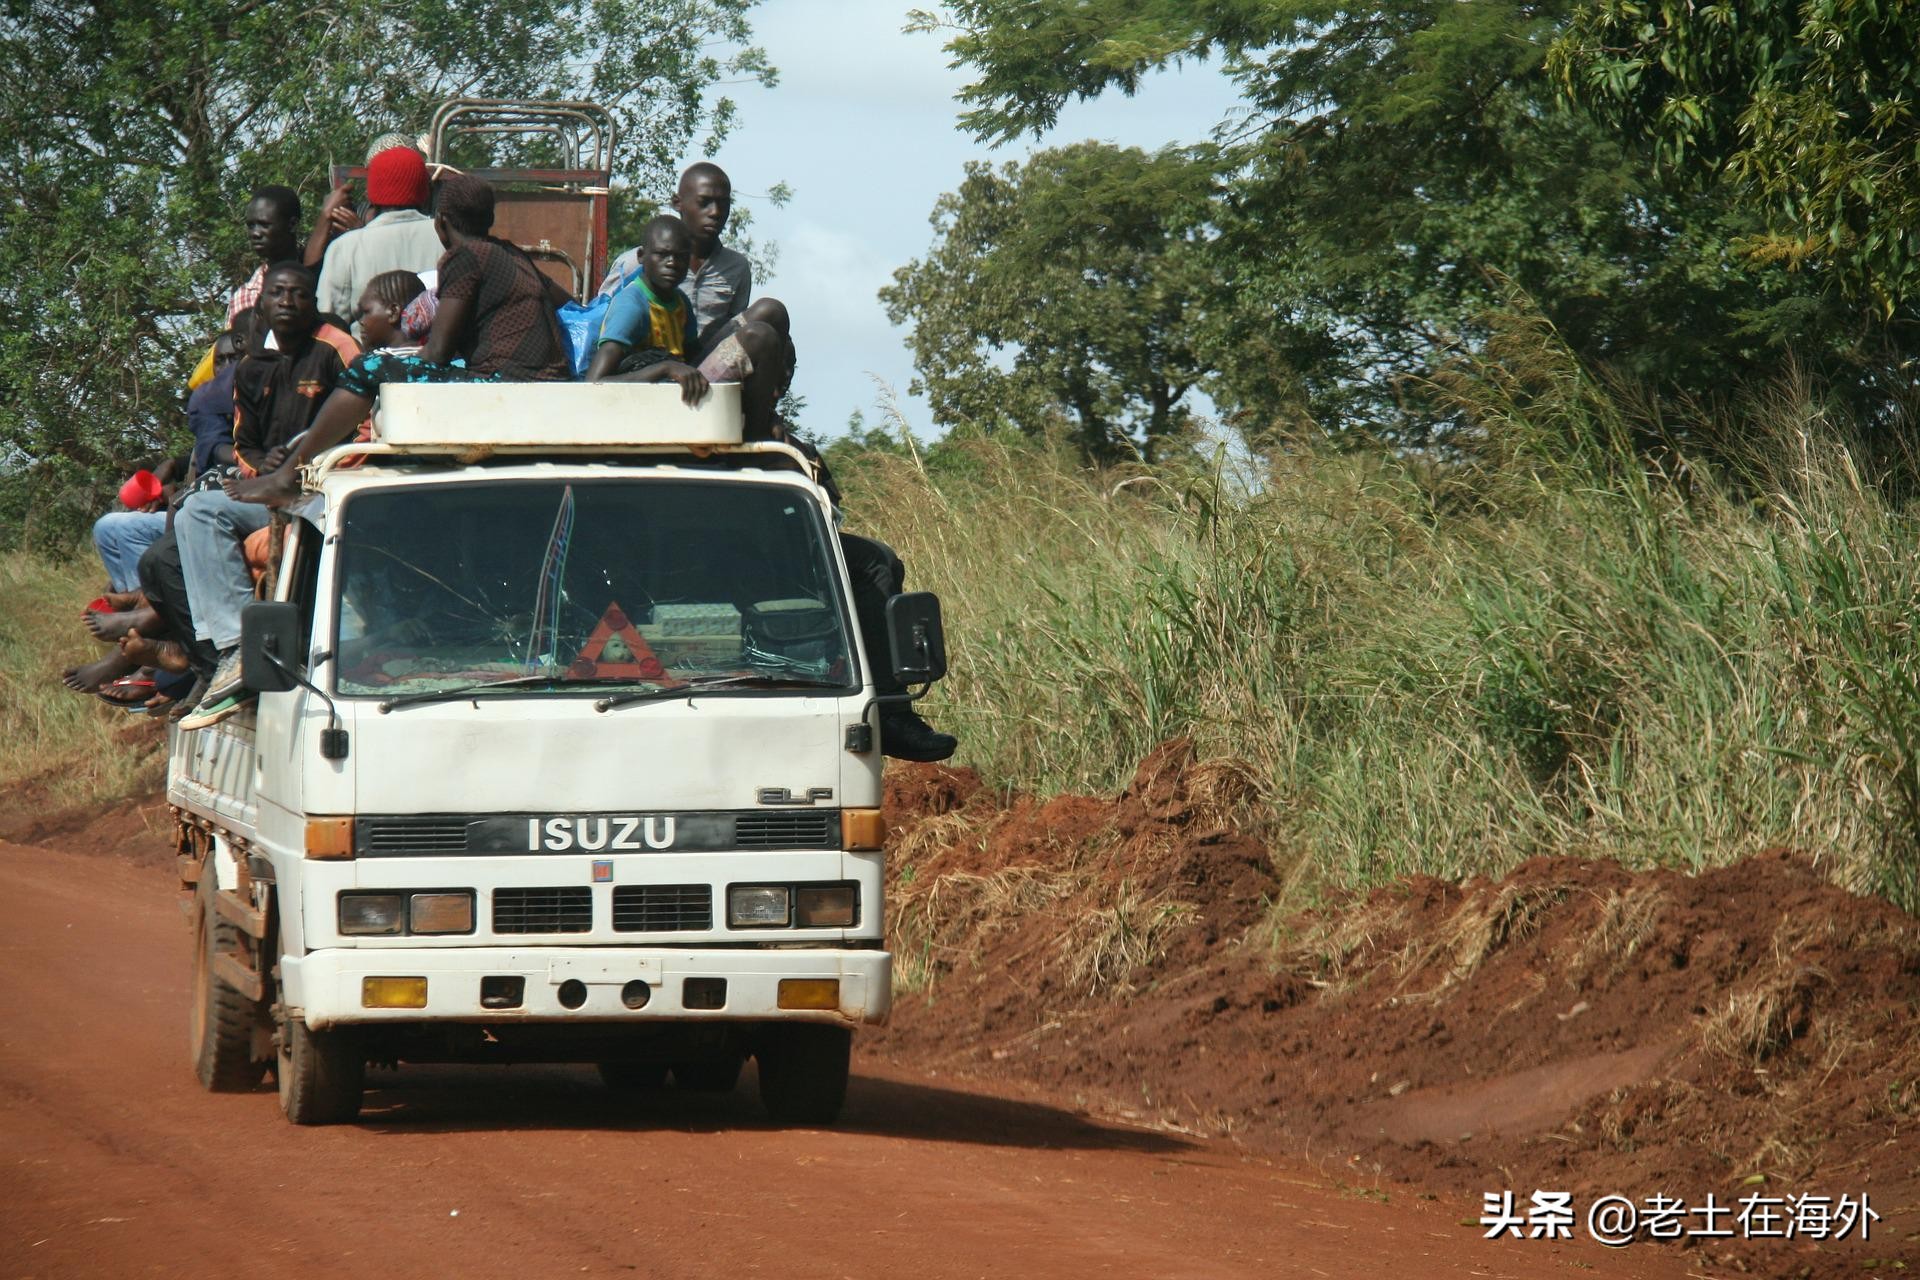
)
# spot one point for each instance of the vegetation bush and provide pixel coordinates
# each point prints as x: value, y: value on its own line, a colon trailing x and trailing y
x: 1541, y: 643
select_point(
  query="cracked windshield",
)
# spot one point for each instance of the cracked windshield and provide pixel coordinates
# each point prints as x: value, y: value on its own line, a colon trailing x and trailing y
x: 641, y: 583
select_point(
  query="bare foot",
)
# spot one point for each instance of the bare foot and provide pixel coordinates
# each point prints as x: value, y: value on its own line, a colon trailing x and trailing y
x: 168, y: 655
x: 131, y: 691
x: 108, y: 627
x: 89, y: 678
x: 274, y: 489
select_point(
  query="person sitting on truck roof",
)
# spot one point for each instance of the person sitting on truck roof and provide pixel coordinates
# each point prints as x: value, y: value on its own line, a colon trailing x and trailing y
x: 272, y: 218
x: 650, y: 329
x: 719, y: 280
x: 338, y: 214
x: 382, y: 308
x: 277, y: 393
x: 398, y: 237
x: 495, y: 312
x: 650, y: 326
x: 876, y: 572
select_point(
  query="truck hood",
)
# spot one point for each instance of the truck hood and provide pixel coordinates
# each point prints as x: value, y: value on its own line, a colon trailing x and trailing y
x: 559, y: 755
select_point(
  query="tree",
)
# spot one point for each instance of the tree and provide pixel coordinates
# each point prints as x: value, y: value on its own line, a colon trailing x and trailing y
x: 134, y: 131
x: 1394, y: 175
x: 1068, y: 290
x: 1807, y: 110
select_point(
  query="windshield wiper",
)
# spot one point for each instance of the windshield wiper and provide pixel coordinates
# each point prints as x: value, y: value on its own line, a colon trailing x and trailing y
x: 475, y: 690
x: 708, y: 684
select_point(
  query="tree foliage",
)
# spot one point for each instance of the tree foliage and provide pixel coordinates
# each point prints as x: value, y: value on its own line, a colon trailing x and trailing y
x: 1392, y: 175
x: 1807, y: 108
x: 134, y: 132
x: 1067, y: 290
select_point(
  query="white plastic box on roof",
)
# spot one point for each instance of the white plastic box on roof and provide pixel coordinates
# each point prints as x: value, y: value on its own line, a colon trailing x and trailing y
x: 558, y: 415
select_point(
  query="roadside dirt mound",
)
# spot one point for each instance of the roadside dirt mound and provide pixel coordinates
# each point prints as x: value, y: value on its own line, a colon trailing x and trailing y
x: 1572, y: 1026
x: 134, y: 827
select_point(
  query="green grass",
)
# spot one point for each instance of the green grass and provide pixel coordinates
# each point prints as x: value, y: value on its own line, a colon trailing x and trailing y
x: 1543, y: 646
x: 59, y: 749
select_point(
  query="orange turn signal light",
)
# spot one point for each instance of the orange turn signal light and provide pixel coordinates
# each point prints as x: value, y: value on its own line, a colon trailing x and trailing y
x: 809, y: 993
x: 393, y: 993
x: 330, y: 839
x: 862, y: 829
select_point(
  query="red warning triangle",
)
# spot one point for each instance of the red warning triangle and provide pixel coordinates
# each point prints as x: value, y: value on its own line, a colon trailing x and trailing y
x: 616, y: 648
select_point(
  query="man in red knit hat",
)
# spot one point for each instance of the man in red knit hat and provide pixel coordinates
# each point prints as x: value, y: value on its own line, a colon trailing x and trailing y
x: 398, y: 236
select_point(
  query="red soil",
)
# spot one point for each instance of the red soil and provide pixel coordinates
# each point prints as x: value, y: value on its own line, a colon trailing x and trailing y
x: 1573, y: 1026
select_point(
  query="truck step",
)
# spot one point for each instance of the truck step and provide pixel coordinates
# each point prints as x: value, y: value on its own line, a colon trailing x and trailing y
x: 248, y: 920
x: 236, y: 975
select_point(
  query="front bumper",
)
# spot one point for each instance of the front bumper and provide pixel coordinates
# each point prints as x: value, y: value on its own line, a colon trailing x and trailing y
x: 326, y: 986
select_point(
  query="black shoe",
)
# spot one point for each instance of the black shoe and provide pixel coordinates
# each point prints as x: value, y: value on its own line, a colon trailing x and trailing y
x: 905, y: 736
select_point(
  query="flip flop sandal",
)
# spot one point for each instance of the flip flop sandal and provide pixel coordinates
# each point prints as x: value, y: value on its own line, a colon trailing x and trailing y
x: 100, y: 605
x: 128, y: 692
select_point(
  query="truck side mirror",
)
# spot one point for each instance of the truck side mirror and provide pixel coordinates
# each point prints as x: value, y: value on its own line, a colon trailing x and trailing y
x: 269, y: 628
x: 915, y: 636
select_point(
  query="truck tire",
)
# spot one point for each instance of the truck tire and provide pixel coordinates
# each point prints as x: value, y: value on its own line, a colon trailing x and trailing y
x: 323, y: 1074
x: 712, y: 1075
x: 220, y: 1020
x: 633, y: 1077
x: 803, y: 1072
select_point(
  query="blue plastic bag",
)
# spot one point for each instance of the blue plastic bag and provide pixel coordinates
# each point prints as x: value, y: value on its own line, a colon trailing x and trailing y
x: 581, y: 327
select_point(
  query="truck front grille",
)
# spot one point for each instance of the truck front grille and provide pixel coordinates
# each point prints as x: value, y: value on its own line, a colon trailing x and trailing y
x: 788, y: 829
x: 662, y: 908
x: 564, y: 909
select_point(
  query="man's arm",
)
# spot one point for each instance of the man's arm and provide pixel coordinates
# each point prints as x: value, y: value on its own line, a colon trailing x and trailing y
x: 458, y: 289
x: 249, y: 430
x: 335, y: 218
x: 449, y: 320
x: 606, y: 360
x: 606, y: 365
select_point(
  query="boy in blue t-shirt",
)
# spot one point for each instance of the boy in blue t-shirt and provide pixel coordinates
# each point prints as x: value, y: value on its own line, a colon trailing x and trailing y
x: 649, y: 328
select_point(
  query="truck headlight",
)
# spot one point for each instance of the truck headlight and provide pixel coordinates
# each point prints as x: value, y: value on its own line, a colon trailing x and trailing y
x: 441, y: 913
x: 757, y: 906
x: 372, y: 915
x: 826, y: 906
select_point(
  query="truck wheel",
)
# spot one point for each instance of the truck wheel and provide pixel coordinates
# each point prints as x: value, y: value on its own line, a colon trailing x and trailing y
x: 714, y: 1075
x: 323, y: 1074
x: 221, y: 1020
x: 803, y: 1072
x: 633, y: 1077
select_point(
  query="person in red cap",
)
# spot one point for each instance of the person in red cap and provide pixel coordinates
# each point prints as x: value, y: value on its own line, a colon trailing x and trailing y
x: 121, y: 536
x: 399, y: 236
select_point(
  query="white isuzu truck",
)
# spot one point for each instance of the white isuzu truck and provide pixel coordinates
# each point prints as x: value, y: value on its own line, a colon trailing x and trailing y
x: 565, y: 750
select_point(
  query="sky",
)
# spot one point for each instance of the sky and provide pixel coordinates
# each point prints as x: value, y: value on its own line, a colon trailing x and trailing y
x: 862, y: 127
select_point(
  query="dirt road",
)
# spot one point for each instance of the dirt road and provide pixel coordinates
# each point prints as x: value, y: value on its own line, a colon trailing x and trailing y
x: 113, y: 1162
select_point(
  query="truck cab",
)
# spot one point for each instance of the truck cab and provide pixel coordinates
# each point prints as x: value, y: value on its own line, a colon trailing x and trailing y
x: 564, y: 751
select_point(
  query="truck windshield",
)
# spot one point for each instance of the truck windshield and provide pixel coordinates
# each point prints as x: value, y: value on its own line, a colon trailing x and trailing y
x: 646, y: 583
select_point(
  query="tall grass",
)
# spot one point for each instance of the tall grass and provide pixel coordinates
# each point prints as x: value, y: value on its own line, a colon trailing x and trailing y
x: 59, y: 749
x: 1543, y: 645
